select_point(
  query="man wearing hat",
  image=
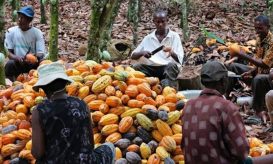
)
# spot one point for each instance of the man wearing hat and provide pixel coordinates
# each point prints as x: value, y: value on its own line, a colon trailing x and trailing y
x: 22, y: 40
x: 213, y: 130
x: 61, y: 124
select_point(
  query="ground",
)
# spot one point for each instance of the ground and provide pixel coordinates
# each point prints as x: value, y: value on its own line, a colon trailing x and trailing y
x: 232, y: 21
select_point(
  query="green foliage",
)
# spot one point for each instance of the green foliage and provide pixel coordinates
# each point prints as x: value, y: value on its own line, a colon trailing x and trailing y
x: 178, y: 1
x: 270, y: 4
x: 211, y: 35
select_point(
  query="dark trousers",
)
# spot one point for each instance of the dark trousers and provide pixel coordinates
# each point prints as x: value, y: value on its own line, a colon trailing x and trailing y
x: 13, y: 69
x: 260, y: 85
x: 167, y: 73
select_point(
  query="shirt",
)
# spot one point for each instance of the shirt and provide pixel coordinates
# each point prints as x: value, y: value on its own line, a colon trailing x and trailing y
x: 23, y: 42
x: 264, y: 50
x: 68, y: 132
x: 213, y: 130
x: 150, y: 43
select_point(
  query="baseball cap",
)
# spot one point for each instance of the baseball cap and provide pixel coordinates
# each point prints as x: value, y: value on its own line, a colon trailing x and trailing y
x: 27, y: 11
x: 213, y: 71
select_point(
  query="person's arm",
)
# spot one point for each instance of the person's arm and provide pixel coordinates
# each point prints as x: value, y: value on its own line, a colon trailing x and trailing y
x: 176, y: 50
x: 174, y: 56
x: 140, y: 50
x: 137, y: 55
x: 12, y: 56
x: 40, y: 45
x: 266, y: 159
x: 9, y: 45
x: 251, y: 73
x: 255, y: 61
x: 91, y: 126
x: 38, y: 143
x: 234, y: 133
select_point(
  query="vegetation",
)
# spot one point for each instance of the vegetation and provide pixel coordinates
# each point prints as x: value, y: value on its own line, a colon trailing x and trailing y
x: 53, y: 42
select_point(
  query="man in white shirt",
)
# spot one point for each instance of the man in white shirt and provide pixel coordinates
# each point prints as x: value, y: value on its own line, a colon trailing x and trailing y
x: 21, y: 40
x: 164, y: 64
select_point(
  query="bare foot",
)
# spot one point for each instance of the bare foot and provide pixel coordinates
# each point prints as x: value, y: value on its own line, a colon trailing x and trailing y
x: 263, y: 116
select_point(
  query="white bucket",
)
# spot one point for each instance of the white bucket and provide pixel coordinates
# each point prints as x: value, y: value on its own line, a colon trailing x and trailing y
x: 189, y: 94
x: 245, y: 101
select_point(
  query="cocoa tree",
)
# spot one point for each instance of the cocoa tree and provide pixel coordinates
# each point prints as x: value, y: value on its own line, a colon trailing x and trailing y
x: 133, y: 17
x: 42, y: 9
x: 184, y: 19
x: 53, y: 40
x: 15, y: 4
x: 270, y: 12
x: 109, y: 26
x: 2, y: 25
x: 2, y: 49
x: 2, y: 70
x: 101, y: 14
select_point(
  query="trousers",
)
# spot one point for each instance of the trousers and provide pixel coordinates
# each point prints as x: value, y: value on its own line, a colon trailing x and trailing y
x: 260, y: 85
x: 166, y: 73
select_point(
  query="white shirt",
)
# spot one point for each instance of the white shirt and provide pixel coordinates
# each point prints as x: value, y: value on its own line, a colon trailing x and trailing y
x: 21, y: 42
x: 150, y: 43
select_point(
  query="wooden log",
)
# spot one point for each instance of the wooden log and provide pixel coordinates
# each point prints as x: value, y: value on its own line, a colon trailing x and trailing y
x: 189, y: 78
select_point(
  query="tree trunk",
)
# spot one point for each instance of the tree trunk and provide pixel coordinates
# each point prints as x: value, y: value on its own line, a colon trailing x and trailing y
x: 2, y: 26
x: 2, y: 70
x: 184, y: 20
x: 53, y: 41
x: 133, y: 16
x: 15, y: 4
x: 109, y: 26
x: 269, y: 13
x: 42, y: 8
x: 101, y: 13
x: 189, y: 78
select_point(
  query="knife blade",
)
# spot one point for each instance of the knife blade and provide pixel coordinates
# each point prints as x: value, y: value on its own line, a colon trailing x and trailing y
x: 157, y: 50
x: 235, y: 76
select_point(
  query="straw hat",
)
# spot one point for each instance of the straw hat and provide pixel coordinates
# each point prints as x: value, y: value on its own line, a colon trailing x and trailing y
x: 50, y: 72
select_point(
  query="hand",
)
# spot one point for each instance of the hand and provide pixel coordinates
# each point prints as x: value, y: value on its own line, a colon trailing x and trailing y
x: 167, y: 49
x: 18, y: 59
x: 146, y: 54
x: 240, y: 53
x: 247, y: 75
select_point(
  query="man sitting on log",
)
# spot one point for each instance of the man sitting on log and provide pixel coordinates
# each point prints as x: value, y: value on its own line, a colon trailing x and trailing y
x: 22, y: 40
x: 162, y: 64
x: 261, y: 64
x: 213, y: 130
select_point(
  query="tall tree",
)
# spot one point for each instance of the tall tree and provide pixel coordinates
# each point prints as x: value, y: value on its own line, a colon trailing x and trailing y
x: 2, y: 70
x: 53, y: 40
x: 184, y: 19
x: 269, y: 12
x: 133, y: 17
x: 15, y: 4
x: 2, y: 49
x: 109, y: 26
x: 2, y: 25
x: 42, y: 8
x: 101, y: 13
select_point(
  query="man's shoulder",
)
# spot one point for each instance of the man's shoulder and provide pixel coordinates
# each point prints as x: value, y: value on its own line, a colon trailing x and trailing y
x: 36, y: 29
x: 173, y: 33
x: 13, y: 29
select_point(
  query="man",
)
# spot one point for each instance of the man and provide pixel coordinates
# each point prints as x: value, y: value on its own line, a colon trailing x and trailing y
x: 261, y: 64
x: 269, y: 103
x: 21, y: 40
x: 213, y: 130
x: 164, y: 64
